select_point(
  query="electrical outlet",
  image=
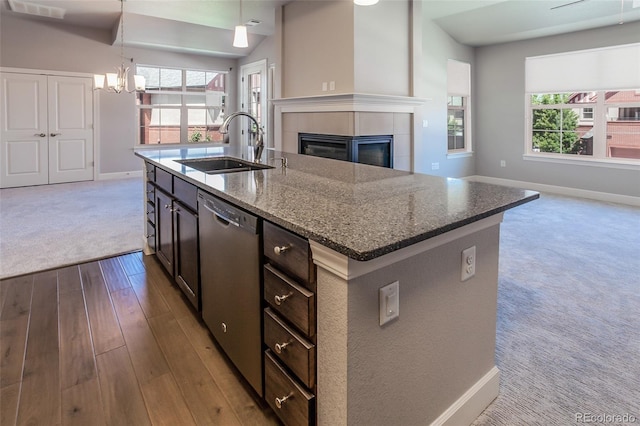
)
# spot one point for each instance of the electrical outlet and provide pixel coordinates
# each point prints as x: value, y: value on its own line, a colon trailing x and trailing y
x: 503, y: 163
x: 324, y: 86
x: 435, y: 166
x: 468, y: 266
x: 332, y: 85
x: 389, y: 302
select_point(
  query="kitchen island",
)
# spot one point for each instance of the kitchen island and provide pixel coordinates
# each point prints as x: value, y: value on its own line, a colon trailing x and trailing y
x: 368, y: 227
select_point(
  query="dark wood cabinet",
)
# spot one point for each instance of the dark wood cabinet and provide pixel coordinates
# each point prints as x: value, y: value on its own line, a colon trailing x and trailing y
x: 289, y: 326
x: 186, y: 260
x: 164, y: 230
x: 175, y: 227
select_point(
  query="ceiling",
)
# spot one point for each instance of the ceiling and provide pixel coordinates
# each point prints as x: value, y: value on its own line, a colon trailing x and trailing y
x: 206, y: 26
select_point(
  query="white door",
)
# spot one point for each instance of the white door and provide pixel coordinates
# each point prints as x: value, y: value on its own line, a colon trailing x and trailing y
x: 70, y: 129
x: 253, y: 96
x: 24, y: 155
x: 46, y: 129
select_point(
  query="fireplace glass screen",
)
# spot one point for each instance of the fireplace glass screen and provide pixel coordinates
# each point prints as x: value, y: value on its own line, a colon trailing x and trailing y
x: 373, y: 150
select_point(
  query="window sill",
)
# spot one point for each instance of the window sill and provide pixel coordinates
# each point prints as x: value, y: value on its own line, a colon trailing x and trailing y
x: 460, y: 154
x: 585, y: 161
x: 177, y: 145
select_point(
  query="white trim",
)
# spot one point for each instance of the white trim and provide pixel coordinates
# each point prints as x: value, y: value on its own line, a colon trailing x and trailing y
x: 348, y: 269
x: 253, y: 67
x: 561, y: 190
x: 584, y: 161
x: 473, y: 402
x: 120, y: 175
x: 360, y: 102
x: 46, y: 72
x: 454, y: 155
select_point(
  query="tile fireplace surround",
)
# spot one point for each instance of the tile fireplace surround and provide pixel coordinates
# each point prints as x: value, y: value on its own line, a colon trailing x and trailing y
x: 350, y: 115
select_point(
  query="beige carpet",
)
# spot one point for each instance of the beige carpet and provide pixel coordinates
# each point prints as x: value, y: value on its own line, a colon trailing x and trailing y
x: 43, y: 227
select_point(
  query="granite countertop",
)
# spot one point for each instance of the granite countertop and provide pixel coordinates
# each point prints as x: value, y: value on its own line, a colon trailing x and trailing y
x: 358, y: 210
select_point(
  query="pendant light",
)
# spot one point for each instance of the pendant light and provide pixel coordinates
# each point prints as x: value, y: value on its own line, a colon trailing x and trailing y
x: 365, y: 2
x: 240, y: 35
x: 118, y: 82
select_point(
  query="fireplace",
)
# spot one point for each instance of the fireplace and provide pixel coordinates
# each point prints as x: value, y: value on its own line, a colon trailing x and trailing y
x: 373, y: 150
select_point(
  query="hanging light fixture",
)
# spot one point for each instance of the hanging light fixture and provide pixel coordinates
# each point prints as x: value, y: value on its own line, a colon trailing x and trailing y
x: 240, y: 35
x: 119, y: 81
x: 365, y: 2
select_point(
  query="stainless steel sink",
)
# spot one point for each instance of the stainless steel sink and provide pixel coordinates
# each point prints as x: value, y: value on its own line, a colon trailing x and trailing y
x: 212, y: 165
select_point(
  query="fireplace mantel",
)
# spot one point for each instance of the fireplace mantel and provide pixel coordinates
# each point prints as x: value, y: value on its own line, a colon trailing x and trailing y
x: 352, y: 102
x: 360, y: 104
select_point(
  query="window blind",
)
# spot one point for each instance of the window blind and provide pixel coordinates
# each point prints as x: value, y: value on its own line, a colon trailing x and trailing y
x: 458, y: 78
x: 609, y: 68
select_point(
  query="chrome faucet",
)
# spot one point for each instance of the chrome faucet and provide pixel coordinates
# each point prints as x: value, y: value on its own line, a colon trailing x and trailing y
x: 259, y: 146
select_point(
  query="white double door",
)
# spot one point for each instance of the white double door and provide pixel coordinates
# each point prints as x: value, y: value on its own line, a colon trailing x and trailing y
x: 46, y: 133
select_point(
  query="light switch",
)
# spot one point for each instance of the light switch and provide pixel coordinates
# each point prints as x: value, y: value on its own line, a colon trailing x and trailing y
x: 389, y: 302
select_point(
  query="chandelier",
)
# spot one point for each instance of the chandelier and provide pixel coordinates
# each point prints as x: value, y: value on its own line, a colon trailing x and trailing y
x: 119, y: 81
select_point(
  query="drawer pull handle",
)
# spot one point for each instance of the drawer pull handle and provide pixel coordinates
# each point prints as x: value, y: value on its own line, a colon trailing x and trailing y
x: 150, y: 235
x: 280, y: 401
x: 150, y: 191
x: 279, y: 250
x: 279, y: 347
x: 280, y: 299
x: 167, y: 206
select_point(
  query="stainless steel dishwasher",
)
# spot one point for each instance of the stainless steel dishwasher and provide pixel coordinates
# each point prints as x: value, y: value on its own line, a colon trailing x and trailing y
x: 230, y: 283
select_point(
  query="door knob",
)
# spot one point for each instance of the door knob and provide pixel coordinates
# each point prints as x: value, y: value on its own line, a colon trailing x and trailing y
x: 54, y: 134
x: 42, y: 135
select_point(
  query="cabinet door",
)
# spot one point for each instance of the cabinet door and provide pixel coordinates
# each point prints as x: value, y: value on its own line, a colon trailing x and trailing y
x: 24, y: 155
x: 185, y: 229
x: 70, y: 129
x: 164, y: 230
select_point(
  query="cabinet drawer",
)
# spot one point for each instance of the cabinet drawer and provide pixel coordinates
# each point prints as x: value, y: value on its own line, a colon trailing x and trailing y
x: 295, y: 303
x: 292, y: 349
x: 151, y: 192
x: 290, y: 401
x: 185, y: 192
x: 164, y: 180
x: 151, y: 212
x: 150, y: 170
x: 290, y: 252
x: 151, y: 235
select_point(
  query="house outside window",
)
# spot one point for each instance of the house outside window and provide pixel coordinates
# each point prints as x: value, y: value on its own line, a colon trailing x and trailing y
x: 560, y: 124
x: 180, y: 105
x: 458, y: 108
x: 456, y: 123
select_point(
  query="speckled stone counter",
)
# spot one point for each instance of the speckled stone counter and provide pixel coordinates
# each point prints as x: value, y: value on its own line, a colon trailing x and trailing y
x: 360, y: 211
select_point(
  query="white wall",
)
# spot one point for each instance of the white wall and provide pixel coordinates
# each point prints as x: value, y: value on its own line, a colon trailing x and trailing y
x: 382, y: 49
x: 317, y: 38
x: 431, y: 147
x: 42, y: 45
x: 500, y: 113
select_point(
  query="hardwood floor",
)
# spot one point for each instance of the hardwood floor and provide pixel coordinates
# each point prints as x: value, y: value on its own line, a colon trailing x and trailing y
x: 113, y: 342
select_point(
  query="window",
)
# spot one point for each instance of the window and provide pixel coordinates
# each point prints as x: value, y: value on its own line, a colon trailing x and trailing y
x: 600, y: 124
x: 180, y: 106
x: 584, y: 105
x: 455, y: 123
x: 458, y: 115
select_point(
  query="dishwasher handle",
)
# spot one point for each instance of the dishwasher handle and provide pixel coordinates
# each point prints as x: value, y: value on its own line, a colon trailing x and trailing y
x: 220, y: 216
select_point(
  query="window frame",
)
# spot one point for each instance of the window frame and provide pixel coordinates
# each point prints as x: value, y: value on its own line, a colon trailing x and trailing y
x: 184, y: 106
x: 465, y: 125
x: 599, y: 121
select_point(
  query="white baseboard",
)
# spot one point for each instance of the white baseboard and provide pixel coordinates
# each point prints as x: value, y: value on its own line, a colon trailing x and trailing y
x: 120, y: 175
x: 473, y: 402
x: 561, y: 190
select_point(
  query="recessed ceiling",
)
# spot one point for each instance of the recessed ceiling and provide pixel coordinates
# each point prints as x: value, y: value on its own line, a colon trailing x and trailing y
x: 205, y: 26
x: 478, y: 23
